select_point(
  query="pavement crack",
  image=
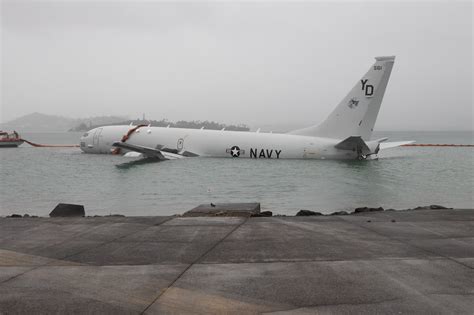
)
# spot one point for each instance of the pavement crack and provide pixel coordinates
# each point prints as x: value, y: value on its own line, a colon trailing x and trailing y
x: 296, y: 261
x: 351, y: 304
x: 113, y: 240
x: 417, y: 247
x: 69, y: 256
x: 193, y: 263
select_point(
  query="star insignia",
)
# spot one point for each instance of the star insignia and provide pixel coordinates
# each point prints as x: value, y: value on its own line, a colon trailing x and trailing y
x: 235, y: 151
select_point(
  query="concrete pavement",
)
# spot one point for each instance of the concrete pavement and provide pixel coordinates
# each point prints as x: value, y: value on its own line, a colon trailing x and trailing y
x: 383, y: 262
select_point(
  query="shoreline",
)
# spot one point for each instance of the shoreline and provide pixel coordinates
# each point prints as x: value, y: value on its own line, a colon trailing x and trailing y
x: 266, y: 213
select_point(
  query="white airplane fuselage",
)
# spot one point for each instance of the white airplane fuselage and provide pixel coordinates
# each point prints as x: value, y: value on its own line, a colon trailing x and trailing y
x: 345, y: 134
x: 217, y: 143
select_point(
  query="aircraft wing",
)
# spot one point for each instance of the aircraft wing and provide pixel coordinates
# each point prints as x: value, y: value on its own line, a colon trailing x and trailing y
x: 146, y: 151
x: 353, y: 143
x: 388, y: 145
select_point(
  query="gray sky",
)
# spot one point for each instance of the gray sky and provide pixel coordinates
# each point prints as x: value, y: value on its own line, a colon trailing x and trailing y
x: 260, y: 63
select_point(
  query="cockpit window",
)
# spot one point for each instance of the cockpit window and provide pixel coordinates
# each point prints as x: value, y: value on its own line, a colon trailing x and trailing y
x: 86, y: 134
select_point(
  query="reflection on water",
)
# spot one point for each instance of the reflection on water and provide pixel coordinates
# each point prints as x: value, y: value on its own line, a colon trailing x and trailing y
x: 34, y: 180
x: 137, y: 162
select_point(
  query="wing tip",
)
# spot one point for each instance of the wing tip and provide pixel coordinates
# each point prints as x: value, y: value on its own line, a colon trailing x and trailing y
x: 389, y: 145
x: 385, y: 58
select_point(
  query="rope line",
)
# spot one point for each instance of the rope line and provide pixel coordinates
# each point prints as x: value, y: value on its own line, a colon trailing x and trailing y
x: 126, y: 136
x: 132, y: 130
x: 50, y: 145
x: 437, y: 145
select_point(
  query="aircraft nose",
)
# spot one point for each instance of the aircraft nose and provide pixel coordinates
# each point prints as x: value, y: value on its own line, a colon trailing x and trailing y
x: 86, y: 141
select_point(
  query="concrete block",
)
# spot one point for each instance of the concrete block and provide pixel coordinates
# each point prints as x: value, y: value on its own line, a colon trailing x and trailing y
x: 224, y: 210
x: 68, y: 210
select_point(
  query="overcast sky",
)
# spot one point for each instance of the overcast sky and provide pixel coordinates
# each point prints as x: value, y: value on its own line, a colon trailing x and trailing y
x: 260, y: 63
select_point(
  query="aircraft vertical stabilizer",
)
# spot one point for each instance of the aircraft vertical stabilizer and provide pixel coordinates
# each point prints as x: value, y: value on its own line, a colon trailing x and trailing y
x: 356, y: 113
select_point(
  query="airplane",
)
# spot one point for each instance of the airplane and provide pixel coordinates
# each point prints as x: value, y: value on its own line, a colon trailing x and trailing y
x: 345, y: 134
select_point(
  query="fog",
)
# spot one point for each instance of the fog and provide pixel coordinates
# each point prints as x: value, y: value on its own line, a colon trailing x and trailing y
x: 265, y: 64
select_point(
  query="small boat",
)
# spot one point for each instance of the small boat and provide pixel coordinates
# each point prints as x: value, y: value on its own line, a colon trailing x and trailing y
x: 10, y: 140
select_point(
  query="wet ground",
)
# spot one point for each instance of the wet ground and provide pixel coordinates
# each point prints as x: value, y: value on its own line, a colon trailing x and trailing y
x: 386, y: 262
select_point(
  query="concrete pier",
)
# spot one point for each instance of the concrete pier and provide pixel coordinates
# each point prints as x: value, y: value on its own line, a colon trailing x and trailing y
x: 382, y: 262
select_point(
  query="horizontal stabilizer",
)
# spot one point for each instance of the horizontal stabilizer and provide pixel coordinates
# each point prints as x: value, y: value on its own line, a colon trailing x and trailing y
x: 388, y: 145
x: 381, y: 140
x: 353, y: 143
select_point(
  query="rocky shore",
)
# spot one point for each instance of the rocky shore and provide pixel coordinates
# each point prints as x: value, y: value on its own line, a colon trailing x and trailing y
x: 223, y: 210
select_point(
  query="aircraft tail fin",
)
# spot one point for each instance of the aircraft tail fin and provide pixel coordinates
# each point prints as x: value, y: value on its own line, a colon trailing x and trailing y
x: 357, y: 112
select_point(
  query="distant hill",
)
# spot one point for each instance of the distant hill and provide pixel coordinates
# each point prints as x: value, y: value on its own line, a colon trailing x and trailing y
x: 37, y: 122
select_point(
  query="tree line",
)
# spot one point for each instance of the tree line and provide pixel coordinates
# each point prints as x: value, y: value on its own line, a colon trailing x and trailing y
x: 195, y: 124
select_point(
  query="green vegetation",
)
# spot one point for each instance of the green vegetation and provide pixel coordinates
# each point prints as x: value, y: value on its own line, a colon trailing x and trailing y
x: 195, y: 124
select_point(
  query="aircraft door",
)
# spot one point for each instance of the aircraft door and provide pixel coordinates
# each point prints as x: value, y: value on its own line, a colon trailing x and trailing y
x: 180, y: 144
x: 95, y: 138
x: 310, y: 152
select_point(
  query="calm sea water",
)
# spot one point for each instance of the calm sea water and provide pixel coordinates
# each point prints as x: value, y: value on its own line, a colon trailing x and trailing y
x: 34, y: 180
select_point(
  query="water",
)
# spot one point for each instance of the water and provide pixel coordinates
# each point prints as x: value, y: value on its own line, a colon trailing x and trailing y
x: 34, y: 180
